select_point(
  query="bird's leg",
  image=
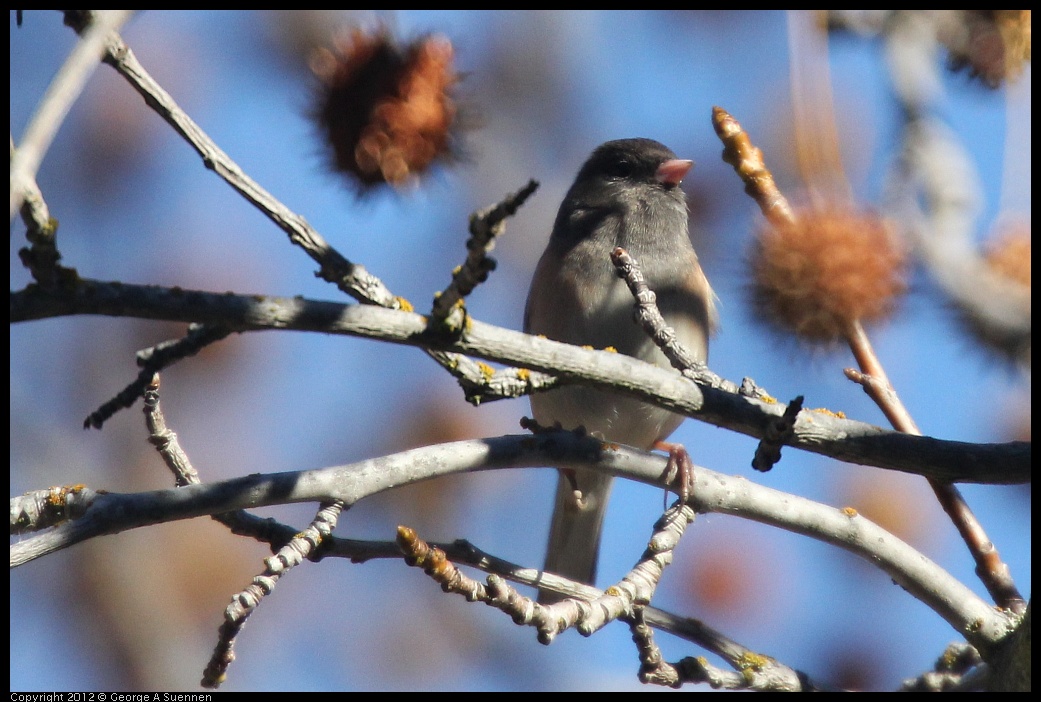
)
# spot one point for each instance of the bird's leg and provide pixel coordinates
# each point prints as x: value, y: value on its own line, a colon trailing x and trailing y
x: 679, y: 469
x: 578, y: 499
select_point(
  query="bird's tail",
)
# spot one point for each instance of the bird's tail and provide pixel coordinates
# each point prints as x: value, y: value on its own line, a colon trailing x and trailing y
x: 574, y: 532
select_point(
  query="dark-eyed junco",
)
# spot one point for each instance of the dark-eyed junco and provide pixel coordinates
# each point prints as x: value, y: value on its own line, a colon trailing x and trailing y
x: 626, y: 194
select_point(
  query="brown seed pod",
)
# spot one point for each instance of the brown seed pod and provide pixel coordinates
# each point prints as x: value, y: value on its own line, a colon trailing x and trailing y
x: 828, y: 267
x: 387, y: 111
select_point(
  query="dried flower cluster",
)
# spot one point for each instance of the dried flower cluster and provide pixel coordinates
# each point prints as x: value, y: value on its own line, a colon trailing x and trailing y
x: 826, y: 268
x: 387, y: 112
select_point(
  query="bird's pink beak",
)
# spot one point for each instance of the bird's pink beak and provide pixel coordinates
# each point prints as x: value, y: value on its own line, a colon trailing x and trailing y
x: 672, y: 171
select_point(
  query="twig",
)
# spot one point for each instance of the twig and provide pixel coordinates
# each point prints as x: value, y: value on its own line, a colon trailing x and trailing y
x: 588, y: 609
x: 245, y: 603
x: 957, y: 669
x: 752, y: 671
x: 291, y: 553
x: 485, y: 226
x: 152, y: 361
x: 58, y: 100
x: 480, y: 382
x: 111, y: 513
x: 41, y: 230
x: 349, y: 277
x: 992, y: 571
x: 650, y: 318
x: 778, y: 433
x: 40, y: 509
x: 830, y: 435
x: 747, y: 160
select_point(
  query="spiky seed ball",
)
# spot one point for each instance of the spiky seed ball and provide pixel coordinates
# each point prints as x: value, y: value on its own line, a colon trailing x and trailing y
x: 387, y: 112
x: 829, y: 267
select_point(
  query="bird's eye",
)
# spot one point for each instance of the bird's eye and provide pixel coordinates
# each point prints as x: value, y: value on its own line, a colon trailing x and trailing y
x: 619, y: 169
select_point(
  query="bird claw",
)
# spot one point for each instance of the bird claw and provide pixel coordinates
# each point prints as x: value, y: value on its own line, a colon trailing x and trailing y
x: 577, y: 497
x: 679, y: 470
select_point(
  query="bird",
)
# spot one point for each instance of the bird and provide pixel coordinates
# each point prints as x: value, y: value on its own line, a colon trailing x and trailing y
x: 625, y: 194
